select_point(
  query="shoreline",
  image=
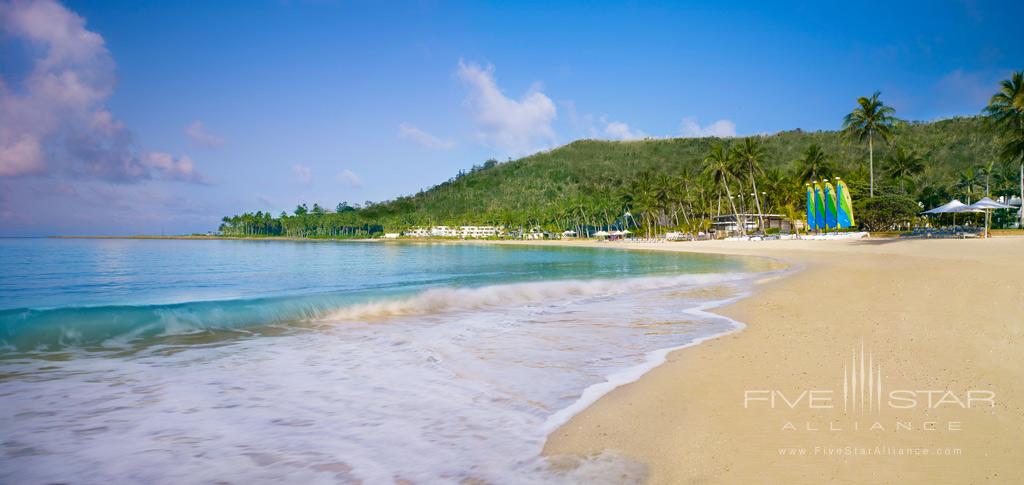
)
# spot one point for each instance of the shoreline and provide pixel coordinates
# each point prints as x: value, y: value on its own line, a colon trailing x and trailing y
x: 653, y: 359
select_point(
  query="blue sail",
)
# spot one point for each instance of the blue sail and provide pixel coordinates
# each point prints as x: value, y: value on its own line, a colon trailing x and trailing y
x: 819, y: 207
x: 842, y: 211
x: 830, y: 206
x: 810, y: 208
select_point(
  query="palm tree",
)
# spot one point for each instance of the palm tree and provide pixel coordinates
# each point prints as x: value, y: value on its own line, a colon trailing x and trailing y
x: 871, y: 117
x: 986, y: 172
x: 966, y: 181
x: 718, y: 166
x: 814, y: 165
x: 1006, y: 113
x: 749, y: 155
x: 904, y: 165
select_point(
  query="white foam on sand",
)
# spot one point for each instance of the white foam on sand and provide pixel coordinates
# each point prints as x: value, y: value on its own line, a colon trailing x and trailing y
x: 654, y: 359
x: 449, y: 385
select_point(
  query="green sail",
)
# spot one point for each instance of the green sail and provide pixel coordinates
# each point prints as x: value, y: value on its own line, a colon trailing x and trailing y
x: 830, y: 206
x: 845, y: 203
x: 810, y: 208
x: 819, y: 207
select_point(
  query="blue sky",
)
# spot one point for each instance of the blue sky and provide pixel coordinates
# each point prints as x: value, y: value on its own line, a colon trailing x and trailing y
x: 169, y: 115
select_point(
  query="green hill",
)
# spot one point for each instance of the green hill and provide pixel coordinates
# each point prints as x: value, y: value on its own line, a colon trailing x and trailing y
x: 590, y: 182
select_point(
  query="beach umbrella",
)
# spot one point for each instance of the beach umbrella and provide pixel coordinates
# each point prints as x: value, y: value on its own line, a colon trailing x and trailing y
x: 987, y: 205
x: 951, y: 206
x: 844, y: 205
x: 819, y: 207
x: 601, y: 234
x: 810, y: 208
x: 830, y: 206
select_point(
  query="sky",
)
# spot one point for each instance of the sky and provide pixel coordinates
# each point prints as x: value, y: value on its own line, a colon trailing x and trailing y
x: 149, y: 117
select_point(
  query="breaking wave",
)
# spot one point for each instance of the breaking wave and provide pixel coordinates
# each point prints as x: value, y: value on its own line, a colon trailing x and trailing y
x: 439, y: 300
x: 119, y: 325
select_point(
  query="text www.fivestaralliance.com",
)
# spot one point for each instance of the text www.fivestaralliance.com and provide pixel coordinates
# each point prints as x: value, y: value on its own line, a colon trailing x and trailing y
x: 867, y: 451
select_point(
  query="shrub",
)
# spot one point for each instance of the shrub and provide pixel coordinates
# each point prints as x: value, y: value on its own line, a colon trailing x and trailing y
x: 885, y: 212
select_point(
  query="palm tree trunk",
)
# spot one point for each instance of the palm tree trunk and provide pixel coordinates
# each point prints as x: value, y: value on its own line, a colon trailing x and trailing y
x: 871, y: 163
x: 735, y: 213
x: 757, y: 201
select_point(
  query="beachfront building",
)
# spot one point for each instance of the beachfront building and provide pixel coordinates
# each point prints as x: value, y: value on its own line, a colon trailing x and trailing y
x: 1016, y: 208
x: 727, y: 225
x: 476, y: 232
x: 417, y: 232
x: 444, y: 231
x: 531, y: 234
x: 465, y: 232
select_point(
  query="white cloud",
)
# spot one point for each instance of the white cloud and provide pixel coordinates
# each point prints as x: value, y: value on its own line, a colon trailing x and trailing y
x: 589, y: 126
x: 181, y: 168
x: 621, y: 131
x: 303, y: 174
x: 721, y: 129
x: 424, y: 139
x: 56, y: 122
x: 198, y: 134
x: 19, y: 156
x: 349, y: 177
x: 520, y: 126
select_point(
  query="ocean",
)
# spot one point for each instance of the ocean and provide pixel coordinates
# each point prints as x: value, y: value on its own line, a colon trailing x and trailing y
x: 170, y: 361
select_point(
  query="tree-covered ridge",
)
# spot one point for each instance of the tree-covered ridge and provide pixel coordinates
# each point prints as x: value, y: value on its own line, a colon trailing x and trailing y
x: 664, y: 183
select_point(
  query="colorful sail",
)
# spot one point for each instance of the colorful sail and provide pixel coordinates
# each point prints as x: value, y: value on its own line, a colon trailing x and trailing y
x: 810, y: 208
x: 819, y: 207
x: 830, y: 206
x: 845, y: 204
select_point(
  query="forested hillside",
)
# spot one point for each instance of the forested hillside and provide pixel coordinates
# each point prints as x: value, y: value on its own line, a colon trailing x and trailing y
x: 674, y: 183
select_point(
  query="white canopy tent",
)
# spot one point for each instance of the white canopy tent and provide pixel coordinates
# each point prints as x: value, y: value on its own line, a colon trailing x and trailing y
x: 986, y: 205
x: 948, y: 207
x: 952, y: 207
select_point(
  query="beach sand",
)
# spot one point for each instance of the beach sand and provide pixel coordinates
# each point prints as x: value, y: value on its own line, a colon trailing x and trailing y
x: 932, y: 315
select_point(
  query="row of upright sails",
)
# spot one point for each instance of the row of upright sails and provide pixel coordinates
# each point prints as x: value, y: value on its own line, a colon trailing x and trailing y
x: 829, y: 207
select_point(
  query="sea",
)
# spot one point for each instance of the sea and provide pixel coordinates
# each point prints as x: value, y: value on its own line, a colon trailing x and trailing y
x: 235, y: 361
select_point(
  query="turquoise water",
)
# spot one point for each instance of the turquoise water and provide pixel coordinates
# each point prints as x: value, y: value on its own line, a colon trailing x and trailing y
x: 166, y: 361
x: 56, y: 293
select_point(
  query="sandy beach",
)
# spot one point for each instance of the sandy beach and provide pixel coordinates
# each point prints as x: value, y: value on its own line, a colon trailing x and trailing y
x: 938, y: 323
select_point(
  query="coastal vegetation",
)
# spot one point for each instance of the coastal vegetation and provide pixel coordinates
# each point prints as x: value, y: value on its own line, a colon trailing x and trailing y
x: 680, y: 184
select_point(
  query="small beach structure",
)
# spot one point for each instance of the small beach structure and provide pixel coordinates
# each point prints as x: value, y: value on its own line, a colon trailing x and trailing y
x: 952, y: 206
x: 601, y: 234
x: 987, y: 205
x: 729, y: 224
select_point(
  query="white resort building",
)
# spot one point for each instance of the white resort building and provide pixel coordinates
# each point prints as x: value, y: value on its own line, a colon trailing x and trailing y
x: 465, y: 232
x: 481, y: 231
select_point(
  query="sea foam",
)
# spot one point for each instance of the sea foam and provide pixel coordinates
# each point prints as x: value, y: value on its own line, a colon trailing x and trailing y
x: 445, y: 385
